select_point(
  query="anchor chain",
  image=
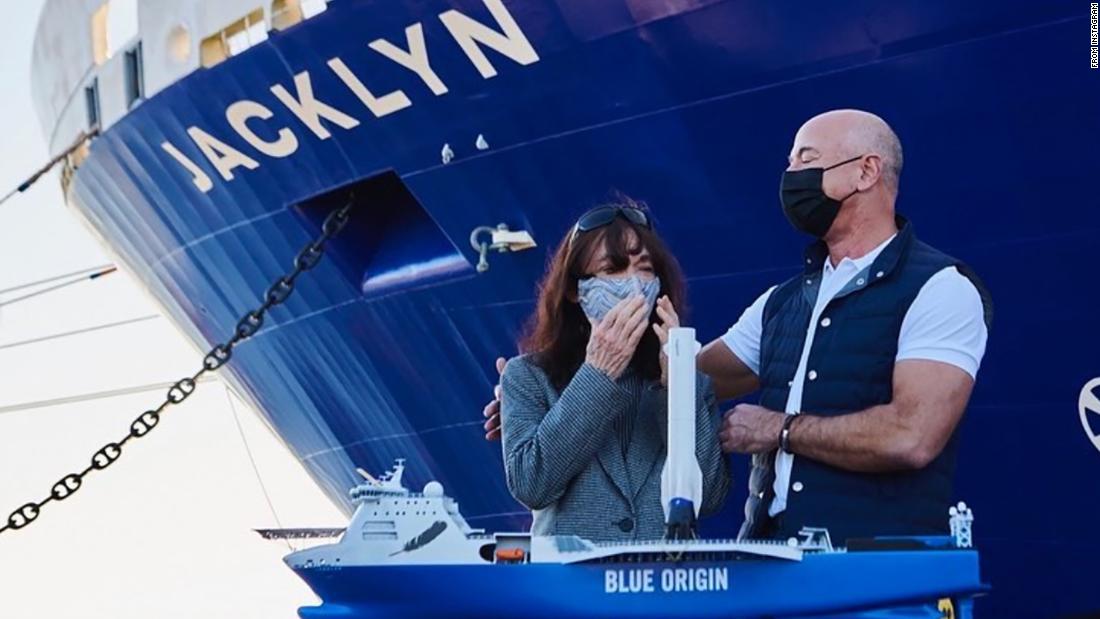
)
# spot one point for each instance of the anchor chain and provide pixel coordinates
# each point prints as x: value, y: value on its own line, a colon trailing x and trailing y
x: 219, y: 355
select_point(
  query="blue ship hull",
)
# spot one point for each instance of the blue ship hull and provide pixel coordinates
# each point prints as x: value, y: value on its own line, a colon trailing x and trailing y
x: 386, y: 350
x: 879, y: 585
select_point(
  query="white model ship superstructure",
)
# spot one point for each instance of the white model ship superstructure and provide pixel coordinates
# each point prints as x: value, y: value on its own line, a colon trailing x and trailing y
x: 394, y: 526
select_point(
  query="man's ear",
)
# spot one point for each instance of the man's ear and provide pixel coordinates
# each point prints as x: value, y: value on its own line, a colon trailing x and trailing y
x: 870, y: 173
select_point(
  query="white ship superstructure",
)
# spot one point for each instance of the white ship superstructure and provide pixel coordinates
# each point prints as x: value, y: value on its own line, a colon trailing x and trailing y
x: 394, y: 526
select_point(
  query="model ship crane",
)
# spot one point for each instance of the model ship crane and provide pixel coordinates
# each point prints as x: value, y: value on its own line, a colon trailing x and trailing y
x: 961, y: 523
x: 389, y: 480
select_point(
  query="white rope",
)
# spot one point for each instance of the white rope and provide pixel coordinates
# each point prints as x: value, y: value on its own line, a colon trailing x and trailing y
x: 255, y: 469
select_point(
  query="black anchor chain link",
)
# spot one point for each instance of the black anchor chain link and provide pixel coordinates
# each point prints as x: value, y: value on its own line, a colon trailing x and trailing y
x: 218, y: 356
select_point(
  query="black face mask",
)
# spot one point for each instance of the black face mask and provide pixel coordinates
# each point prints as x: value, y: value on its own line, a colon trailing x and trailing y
x: 804, y: 201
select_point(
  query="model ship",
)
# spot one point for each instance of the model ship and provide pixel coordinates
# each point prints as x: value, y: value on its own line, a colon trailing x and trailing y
x: 412, y: 554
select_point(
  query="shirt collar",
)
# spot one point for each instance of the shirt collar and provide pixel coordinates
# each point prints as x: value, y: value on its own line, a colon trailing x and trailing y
x: 817, y: 253
x: 864, y: 260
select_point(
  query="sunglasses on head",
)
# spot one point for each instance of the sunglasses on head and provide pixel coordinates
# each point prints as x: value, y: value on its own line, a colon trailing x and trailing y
x: 604, y: 215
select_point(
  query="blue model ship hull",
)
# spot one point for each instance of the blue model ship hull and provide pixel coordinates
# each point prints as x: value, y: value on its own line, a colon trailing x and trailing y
x: 387, y: 348
x: 879, y: 585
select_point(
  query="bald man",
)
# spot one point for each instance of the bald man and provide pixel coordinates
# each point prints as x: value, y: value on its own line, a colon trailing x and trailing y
x: 865, y: 360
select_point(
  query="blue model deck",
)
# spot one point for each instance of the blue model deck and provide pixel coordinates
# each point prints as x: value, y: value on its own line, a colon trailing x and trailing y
x: 387, y: 348
x: 823, y: 586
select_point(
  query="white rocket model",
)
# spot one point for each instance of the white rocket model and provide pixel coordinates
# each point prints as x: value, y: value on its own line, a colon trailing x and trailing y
x: 681, y: 480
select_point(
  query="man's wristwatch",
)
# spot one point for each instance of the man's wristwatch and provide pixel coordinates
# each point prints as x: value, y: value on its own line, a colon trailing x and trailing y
x: 785, y: 434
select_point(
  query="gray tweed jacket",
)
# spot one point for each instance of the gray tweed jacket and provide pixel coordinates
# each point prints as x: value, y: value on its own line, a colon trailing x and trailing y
x: 570, y: 458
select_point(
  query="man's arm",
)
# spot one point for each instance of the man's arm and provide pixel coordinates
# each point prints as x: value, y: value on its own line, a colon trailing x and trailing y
x: 733, y: 361
x: 940, y: 348
x: 729, y: 375
x: 906, y: 434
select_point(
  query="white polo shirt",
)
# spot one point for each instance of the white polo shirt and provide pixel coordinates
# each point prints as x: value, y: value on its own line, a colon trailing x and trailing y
x: 945, y: 322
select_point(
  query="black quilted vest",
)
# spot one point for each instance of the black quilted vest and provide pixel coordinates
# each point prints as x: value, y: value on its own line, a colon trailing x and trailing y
x: 853, y: 361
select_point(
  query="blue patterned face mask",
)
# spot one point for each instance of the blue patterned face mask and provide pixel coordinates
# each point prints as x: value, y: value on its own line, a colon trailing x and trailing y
x: 599, y: 294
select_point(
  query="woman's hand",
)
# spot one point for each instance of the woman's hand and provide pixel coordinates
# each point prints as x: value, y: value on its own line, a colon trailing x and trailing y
x: 614, y: 339
x: 669, y: 320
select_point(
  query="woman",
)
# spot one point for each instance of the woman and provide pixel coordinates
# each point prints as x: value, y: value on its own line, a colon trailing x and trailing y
x: 583, y: 410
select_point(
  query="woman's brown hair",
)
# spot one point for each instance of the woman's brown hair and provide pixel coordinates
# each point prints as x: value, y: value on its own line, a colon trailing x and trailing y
x: 557, y: 333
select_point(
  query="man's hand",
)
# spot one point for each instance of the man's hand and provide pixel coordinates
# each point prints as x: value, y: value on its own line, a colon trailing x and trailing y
x: 750, y: 429
x: 492, y: 409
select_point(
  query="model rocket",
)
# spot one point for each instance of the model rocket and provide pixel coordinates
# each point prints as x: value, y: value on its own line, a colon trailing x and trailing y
x: 681, y: 480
